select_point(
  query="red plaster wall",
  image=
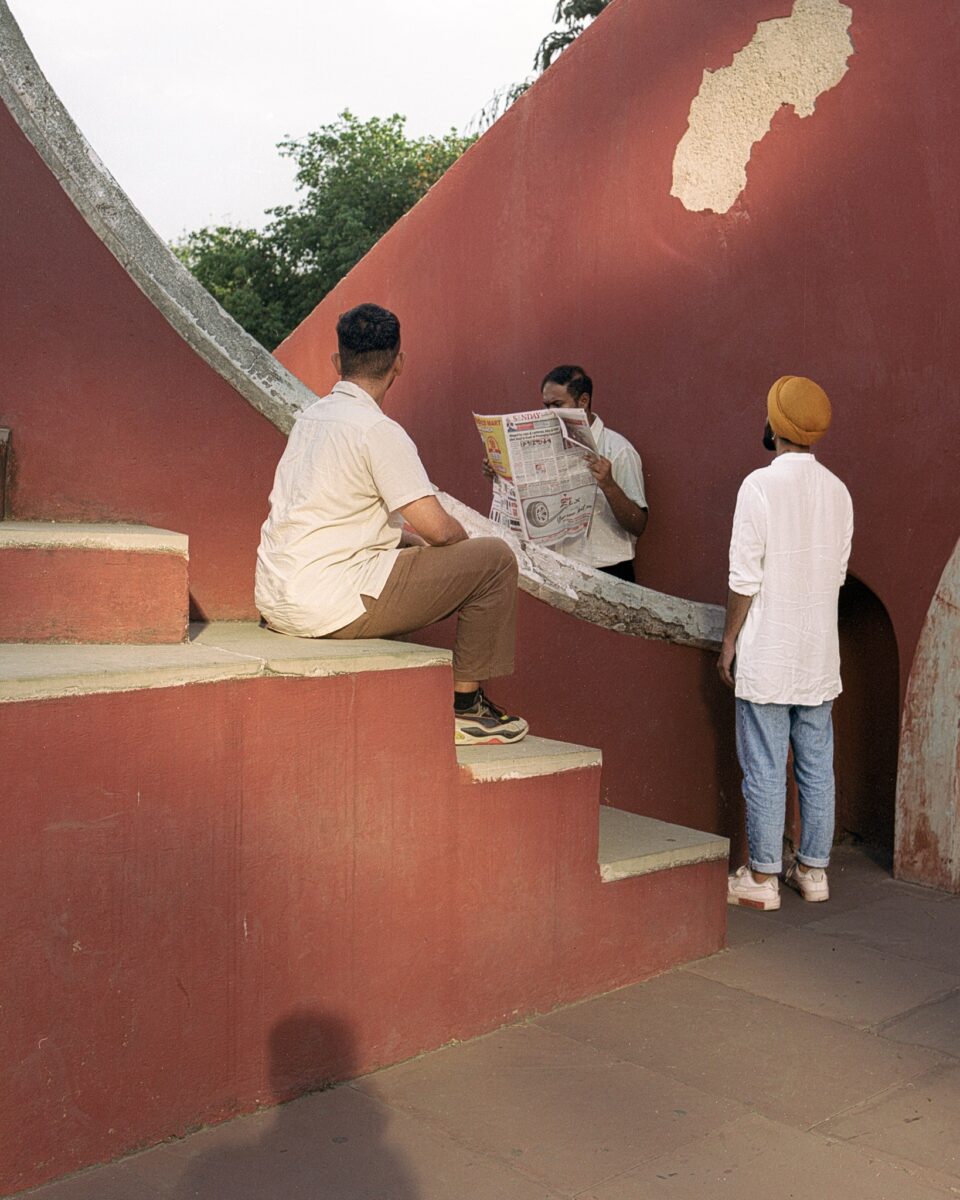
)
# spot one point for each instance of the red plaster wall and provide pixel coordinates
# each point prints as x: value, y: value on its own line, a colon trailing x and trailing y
x: 87, y: 595
x: 207, y: 905
x: 114, y: 417
x: 555, y: 239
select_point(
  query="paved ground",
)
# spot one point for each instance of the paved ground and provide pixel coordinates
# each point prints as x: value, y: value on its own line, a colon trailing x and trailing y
x: 818, y: 1057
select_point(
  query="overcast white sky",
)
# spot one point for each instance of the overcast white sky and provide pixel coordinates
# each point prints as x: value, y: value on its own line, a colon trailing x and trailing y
x: 185, y: 101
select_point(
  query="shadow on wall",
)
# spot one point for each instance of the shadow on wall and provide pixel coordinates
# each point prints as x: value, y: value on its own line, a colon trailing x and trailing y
x: 329, y: 1145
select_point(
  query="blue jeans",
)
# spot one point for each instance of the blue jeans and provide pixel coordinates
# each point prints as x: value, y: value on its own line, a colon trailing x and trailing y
x: 764, y: 733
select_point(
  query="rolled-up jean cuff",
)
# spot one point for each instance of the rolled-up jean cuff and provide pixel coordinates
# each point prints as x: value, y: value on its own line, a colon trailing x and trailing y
x: 813, y: 862
x: 766, y: 868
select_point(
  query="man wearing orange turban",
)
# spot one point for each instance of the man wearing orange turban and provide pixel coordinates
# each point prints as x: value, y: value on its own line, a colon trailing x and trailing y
x: 788, y: 557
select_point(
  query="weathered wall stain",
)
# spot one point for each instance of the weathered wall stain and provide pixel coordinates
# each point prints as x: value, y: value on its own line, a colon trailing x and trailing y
x: 928, y: 779
x: 790, y: 61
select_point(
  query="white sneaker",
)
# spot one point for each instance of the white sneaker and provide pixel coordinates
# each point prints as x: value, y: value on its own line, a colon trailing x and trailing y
x: 744, y: 890
x: 812, y: 884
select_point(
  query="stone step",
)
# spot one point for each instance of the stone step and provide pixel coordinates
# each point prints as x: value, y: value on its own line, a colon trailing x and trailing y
x: 213, y: 653
x: 90, y: 583
x: 524, y: 760
x: 632, y: 845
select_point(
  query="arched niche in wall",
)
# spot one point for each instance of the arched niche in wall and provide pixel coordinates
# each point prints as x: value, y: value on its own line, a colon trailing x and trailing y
x: 866, y: 721
x: 928, y: 779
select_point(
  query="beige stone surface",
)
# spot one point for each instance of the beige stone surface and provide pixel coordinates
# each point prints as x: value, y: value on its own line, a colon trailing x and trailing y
x: 215, y: 653
x: 636, y: 845
x: 830, y: 977
x: 755, y: 1157
x: 936, y: 1025
x: 751, y: 1050
x: 917, y: 1122
x: 337, y: 1145
x: 561, y: 1112
x: 533, y: 756
x: 926, y: 928
x: 65, y: 535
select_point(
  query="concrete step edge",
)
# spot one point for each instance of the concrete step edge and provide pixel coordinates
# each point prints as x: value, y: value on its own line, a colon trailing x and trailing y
x: 632, y: 845
x: 214, y: 653
x: 64, y: 535
x: 524, y: 760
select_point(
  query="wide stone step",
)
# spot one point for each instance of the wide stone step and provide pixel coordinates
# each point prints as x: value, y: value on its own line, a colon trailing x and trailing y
x: 633, y: 845
x: 83, y: 583
x: 214, y: 653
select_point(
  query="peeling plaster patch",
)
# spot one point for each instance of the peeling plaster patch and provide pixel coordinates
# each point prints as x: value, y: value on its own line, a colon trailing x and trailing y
x: 792, y: 60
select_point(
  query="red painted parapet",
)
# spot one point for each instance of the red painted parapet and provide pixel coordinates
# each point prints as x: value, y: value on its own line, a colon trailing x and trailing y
x: 196, y: 871
x: 90, y: 583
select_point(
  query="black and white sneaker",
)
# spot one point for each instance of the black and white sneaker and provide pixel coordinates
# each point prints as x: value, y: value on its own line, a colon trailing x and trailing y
x: 483, y: 724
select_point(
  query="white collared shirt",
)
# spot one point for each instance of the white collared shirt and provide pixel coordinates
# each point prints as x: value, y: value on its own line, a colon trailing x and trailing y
x: 608, y: 542
x: 331, y: 536
x: 789, y: 550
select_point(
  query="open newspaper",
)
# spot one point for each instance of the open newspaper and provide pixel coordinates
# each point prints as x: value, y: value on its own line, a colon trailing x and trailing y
x: 544, y: 491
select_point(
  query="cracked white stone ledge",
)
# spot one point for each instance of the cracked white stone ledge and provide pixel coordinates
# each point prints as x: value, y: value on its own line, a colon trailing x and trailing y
x: 600, y: 599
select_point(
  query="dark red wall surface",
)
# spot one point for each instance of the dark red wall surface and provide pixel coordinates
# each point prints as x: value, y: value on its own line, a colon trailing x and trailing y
x: 556, y: 239
x: 114, y: 417
x: 220, y: 896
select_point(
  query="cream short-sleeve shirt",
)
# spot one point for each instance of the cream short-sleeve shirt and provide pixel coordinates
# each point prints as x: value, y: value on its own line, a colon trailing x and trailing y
x: 608, y: 542
x: 332, y: 533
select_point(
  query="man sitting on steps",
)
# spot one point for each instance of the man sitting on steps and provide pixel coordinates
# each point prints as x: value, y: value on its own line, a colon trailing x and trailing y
x: 329, y: 563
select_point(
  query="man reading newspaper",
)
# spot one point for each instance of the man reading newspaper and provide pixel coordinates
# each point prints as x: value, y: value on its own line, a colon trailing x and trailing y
x: 584, y: 457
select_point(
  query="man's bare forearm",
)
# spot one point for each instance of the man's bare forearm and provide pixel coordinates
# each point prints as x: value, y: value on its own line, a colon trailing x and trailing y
x: 737, y: 608
x: 630, y: 516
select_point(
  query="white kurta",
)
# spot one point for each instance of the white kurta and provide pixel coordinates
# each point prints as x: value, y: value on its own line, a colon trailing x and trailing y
x: 789, y: 550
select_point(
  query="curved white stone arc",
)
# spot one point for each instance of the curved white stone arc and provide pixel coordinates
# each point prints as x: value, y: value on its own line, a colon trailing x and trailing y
x: 928, y: 774
x: 601, y: 599
x: 182, y: 301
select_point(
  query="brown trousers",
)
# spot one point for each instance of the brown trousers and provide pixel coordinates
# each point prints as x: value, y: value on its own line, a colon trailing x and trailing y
x: 476, y: 578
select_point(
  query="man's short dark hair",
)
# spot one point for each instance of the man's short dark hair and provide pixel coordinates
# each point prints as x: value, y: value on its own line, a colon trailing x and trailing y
x: 575, y: 379
x: 368, y: 338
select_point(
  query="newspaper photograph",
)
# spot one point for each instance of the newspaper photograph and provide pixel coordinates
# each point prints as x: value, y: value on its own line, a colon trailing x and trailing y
x: 544, y: 491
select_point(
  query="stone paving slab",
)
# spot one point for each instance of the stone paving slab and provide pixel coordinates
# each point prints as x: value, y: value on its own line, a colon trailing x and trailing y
x: 741, y: 1047
x: 910, y: 924
x: 334, y: 1145
x: 562, y: 1113
x: 830, y: 977
x: 917, y: 1122
x: 755, y: 1157
x: 935, y: 1025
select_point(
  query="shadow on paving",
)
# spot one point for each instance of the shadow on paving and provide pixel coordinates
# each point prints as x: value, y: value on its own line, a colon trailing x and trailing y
x: 820, y: 1055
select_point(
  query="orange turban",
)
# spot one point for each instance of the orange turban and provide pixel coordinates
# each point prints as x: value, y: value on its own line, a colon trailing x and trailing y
x: 798, y: 410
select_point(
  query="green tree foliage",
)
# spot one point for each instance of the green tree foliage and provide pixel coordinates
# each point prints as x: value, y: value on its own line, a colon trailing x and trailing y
x: 357, y: 178
x: 572, y: 16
